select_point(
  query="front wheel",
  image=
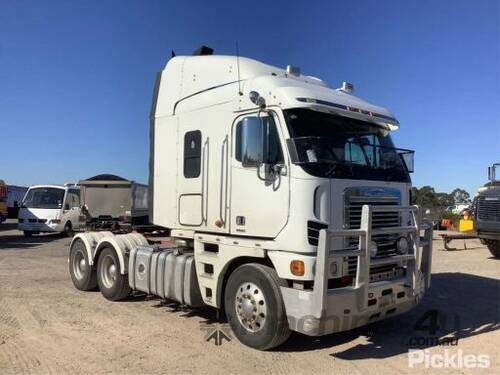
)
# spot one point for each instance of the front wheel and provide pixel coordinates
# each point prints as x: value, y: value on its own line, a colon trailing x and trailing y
x: 494, y: 247
x: 113, y: 285
x: 68, y: 229
x: 255, y: 308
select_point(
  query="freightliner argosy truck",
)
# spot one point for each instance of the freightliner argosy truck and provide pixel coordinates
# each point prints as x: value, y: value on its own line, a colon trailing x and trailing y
x: 285, y: 202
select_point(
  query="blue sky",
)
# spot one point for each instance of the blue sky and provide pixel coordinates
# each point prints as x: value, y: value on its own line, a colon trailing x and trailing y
x: 76, y: 77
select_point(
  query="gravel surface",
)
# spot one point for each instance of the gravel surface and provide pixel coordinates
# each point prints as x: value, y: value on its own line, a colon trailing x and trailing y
x: 49, y: 327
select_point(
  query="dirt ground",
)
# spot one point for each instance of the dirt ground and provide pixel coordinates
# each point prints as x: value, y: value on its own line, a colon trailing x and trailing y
x: 49, y: 327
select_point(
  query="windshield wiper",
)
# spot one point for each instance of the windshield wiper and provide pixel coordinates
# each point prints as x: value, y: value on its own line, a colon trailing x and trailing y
x: 347, y: 167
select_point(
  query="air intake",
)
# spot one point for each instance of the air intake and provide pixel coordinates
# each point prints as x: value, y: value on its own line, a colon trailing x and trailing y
x: 203, y: 51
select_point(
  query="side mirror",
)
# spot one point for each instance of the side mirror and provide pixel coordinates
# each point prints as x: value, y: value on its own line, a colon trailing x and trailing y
x: 252, y: 142
x: 407, y: 158
x: 66, y: 206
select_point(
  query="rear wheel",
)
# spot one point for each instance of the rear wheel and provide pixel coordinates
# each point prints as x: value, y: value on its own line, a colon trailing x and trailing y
x: 82, y: 274
x: 254, y: 307
x: 113, y: 285
x: 494, y: 247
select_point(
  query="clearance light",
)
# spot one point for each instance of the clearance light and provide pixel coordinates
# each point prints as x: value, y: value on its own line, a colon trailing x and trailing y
x: 297, y: 268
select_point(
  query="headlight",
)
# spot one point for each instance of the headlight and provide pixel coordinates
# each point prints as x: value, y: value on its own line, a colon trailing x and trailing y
x: 334, y: 268
x: 402, y: 245
x: 55, y: 221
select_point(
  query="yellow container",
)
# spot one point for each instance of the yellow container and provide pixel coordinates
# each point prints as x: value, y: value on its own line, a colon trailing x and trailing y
x: 465, y: 225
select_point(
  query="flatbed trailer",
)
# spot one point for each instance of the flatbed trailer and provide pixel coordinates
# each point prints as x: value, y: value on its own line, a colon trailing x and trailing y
x: 447, y: 238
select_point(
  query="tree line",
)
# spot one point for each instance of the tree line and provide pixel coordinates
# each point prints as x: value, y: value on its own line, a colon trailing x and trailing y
x: 428, y: 198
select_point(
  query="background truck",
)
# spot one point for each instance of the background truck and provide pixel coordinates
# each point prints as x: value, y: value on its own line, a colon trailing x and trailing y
x: 15, y: 195
x: 487, y: 212
x: 112, y: 202
x: 283, y: 202
x: 3, y: 201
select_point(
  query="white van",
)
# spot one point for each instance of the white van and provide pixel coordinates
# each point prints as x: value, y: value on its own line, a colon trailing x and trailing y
x: 50, y: 208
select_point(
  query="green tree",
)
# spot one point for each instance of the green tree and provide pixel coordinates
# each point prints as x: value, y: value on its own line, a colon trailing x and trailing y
x: 460, y: 196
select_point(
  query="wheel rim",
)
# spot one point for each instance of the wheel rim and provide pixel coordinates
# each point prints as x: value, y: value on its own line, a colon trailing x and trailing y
x: 108, y: 271
x: 251, y: 307
x: 79, y: 265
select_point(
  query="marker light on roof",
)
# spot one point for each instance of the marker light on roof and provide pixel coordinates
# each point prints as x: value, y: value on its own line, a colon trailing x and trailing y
x: 393, y: 121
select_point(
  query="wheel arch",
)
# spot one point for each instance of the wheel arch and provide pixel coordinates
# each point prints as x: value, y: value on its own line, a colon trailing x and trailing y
x: 121, y: 245
x: 228, y: 270
x: 90, y: 241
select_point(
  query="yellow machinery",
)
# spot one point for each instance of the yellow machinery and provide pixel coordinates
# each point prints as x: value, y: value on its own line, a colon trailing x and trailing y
x: 466, y: 225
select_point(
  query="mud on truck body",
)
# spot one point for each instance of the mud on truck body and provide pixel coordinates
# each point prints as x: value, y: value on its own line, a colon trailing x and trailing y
x: 285, y: 201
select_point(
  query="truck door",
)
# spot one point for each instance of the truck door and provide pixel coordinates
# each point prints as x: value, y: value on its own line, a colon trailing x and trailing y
x: 259, y: 194
x: 71, y: 208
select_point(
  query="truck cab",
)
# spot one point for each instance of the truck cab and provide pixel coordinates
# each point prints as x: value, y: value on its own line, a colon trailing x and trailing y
x: 50, y: 209
x: 287, y: 196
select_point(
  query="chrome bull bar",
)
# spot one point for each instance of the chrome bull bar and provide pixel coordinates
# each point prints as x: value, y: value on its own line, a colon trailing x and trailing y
x: 418, y: 257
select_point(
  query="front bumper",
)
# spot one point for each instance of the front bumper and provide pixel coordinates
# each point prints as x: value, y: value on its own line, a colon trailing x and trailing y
x: 40, y: 227
x: 489, y: 230
x: 322, y: 311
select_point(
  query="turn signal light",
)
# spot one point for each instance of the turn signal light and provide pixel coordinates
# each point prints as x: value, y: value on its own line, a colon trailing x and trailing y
x: 297, y: 268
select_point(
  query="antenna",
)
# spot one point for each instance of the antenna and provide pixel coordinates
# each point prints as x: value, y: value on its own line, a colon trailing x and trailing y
x: 238, y: 67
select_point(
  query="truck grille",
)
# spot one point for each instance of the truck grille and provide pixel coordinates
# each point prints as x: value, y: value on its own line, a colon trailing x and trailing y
x: 354, y: 201
x: 488, y: 208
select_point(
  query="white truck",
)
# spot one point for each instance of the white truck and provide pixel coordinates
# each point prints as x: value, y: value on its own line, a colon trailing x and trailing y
x: 285, y: 202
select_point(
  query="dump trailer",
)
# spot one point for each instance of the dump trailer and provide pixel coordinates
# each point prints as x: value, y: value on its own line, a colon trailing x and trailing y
x: 15, y: 196
x: 113, y: 202
x: 283, y: 202
x: 3, y: 201
x: 487, y: 212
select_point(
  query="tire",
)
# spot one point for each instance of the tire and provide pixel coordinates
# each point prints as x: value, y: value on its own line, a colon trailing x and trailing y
x: 113, y: 285
x: 259, y: 319
x: 82, y: 274
x: 28, y: 233
x: 494, y: 247
x: 68, y: 229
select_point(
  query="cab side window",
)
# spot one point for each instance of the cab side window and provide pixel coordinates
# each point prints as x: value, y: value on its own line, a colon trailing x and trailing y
x: 73, y: 198
x: 192, y: 154
x: 273, y: 153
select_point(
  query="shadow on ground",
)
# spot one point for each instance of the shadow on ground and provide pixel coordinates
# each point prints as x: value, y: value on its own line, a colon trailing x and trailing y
x: 18, y: 241
x: 465, y: 305
x: 456, y: 299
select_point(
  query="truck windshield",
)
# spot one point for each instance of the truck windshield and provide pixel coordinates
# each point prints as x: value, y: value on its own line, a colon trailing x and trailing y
x: 44, y: 198
x: 326, y: 145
